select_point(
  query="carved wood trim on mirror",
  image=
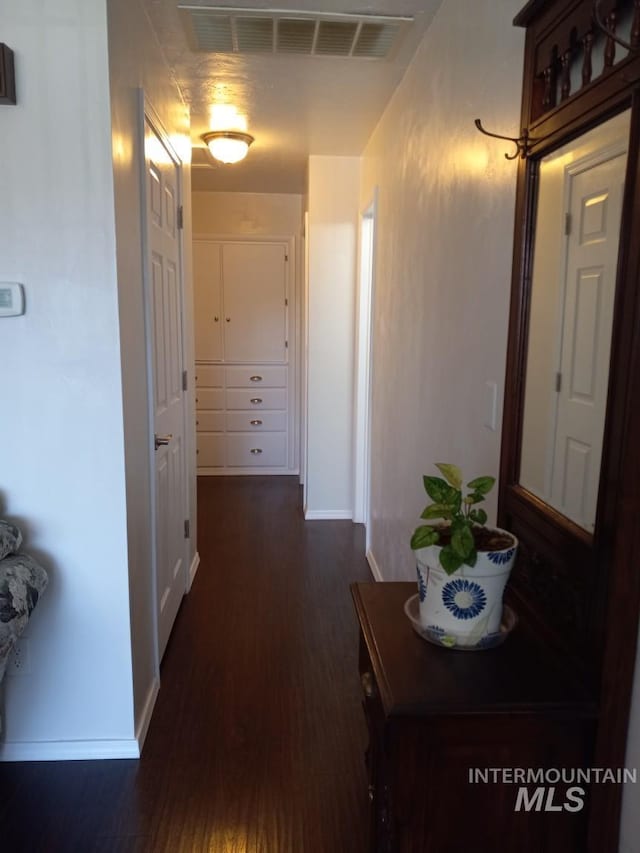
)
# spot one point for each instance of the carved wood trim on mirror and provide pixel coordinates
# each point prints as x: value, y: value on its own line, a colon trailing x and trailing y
x: 577, y: 581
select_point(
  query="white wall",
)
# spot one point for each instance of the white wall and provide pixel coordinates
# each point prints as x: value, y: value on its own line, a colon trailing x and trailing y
x: 333, y: 223
x: 76, y: 415
x: 135, y: 62
x: 62, y: 467
x: 443, y: 263
x: 246, y: 214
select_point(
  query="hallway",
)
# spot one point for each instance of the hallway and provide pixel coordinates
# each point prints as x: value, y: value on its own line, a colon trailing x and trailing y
x: 256, y: 744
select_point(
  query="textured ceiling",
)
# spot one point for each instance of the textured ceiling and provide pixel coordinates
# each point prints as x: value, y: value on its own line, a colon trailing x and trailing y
x: 294, y: 106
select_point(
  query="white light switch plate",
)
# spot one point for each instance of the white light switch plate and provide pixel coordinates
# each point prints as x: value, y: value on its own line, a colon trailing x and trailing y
x: 491, y: 405
x: 11, y: 299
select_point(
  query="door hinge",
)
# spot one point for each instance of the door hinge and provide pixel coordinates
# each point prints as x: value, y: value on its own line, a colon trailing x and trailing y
x: 187, y: 529
x: 180, y: 217
x: 185, y: 381
x: 286, y: 344
x: 558, y: 382
x: 567, y: 224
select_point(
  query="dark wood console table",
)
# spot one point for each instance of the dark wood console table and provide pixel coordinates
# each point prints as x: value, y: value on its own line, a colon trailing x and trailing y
x: 434, y: 715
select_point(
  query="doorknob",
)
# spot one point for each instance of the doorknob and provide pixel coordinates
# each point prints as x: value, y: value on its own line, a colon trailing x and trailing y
x: 161, y: 440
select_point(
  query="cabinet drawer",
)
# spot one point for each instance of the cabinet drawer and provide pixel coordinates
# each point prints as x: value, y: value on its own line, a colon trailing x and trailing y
x: 211, y: 450
x: 209, y: 398
x: 256, y: 377
x: 209, y: 376
x: 258, y: 398
x: 209, y: 421
x: 264, y: 422
x: 268, y: 450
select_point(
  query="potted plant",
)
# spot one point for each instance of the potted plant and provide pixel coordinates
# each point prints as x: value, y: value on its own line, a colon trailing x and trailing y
x: 463, y: 565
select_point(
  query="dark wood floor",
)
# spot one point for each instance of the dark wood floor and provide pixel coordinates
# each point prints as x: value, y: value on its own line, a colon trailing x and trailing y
x: 256, y: 744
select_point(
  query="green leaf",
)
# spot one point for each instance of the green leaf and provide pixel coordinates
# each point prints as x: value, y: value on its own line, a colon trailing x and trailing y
x: 462, y: 541
x: 451, y: 473
x: 474, y: 498
x: 424, y: 536
x: 437, y: 511
x: 478, y: 515
x: 437, y: 489
x: 449, y: 560
x: 482, y: 484
x: 472, y: 558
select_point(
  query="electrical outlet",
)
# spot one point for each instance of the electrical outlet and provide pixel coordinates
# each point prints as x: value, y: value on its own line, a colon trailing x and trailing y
x: 20, y: 661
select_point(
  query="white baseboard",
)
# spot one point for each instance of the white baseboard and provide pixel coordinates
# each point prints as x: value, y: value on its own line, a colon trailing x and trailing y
x: 68, y: 750
x: 247, y: 472
x: 193, y: 568
x: 84, y: 750
x: 328, y: 514
x: 147, y: 713
x: 375, y: 568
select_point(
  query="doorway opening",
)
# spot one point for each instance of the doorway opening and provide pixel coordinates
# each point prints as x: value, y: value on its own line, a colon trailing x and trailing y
x: 364, y: 350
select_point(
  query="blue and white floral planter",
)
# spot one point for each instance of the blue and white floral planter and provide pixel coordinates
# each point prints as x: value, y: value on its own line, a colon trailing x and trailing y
x: 465, y: 608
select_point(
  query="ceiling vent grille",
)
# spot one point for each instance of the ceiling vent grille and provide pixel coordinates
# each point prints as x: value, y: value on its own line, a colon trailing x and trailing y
x: 375, y: 40
x: 336, y: 38
x: 296, y: 35
x: 213, y: 29
x: 254, y: 35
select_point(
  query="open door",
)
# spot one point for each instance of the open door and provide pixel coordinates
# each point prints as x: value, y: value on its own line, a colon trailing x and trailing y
x: 164, y: 295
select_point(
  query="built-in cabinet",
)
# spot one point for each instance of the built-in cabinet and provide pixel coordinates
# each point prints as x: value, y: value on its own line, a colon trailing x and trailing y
x: 245, y: 378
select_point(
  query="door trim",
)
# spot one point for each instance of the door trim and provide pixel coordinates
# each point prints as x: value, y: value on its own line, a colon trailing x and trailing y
x: 148, y: 115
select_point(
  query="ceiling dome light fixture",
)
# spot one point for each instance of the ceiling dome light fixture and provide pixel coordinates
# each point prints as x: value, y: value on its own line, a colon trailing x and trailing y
x: 228, y: 146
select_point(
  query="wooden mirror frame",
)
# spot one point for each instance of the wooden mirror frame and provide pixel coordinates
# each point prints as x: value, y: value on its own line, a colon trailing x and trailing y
x: 580, y: 593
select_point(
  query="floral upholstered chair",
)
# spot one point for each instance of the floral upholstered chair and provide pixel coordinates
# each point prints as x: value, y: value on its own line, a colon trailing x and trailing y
x: 22, y: 582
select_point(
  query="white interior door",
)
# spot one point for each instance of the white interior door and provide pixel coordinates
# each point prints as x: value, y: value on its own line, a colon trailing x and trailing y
x: 165, y: 296
x: 254, y: 294
x: 595, y: 206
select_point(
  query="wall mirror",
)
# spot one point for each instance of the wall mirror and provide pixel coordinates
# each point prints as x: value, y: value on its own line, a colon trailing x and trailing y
x: 575, y: 253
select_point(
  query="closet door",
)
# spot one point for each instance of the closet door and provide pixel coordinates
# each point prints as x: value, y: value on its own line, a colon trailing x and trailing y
x: 254, y: 276
x: 208, y: 301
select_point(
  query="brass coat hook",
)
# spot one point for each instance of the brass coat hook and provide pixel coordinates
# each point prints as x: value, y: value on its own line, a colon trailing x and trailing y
x: 521, y: 143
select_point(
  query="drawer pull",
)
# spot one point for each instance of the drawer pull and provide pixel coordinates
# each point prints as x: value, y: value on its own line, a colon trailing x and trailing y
x: 372, y: 793
x: 256, y: 451
x: 216, y: 319
x: 256, y: 400
x: 255, y: 379
x: 256, y: 422
x: 368, y: 685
